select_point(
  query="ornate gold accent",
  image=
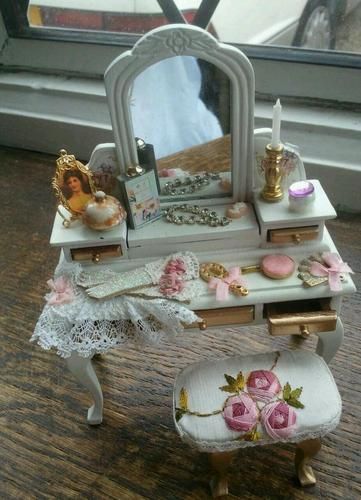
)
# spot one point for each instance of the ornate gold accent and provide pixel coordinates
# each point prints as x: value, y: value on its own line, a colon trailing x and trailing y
x: 67, y: 164
x: 273, y: 170
x: 304, y: 452
x: 214, y: 270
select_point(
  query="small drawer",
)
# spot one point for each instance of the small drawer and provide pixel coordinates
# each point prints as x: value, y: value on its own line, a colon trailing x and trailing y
x: 96, y: 254
x: 225, y: 316
x: 294, y: 235
x: 301, y: 317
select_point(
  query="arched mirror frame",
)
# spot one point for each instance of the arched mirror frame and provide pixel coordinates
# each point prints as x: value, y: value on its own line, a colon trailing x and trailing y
x: 186, y: 40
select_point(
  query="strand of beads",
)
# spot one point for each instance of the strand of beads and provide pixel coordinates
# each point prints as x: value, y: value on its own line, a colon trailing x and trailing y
x: 199, y: 215
x: 189, y: 185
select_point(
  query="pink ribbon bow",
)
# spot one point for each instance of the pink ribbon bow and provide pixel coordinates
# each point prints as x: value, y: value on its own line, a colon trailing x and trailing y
x: 61, y: 291
x: 336, y: 267
x: 222, y: 284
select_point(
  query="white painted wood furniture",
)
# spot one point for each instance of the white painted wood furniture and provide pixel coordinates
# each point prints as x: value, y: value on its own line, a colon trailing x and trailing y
x: 267, y: 228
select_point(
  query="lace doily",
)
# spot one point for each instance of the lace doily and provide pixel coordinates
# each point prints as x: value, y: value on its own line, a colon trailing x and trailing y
x: 88, y: 326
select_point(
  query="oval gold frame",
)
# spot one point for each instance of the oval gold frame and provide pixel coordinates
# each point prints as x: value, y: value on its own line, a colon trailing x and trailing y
x: 67, y: 162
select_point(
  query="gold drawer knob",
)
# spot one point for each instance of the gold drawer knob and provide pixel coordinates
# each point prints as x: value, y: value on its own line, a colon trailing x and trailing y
x: 96, y: 258
x: 297, y: 238
x: 202, y: 325
x: 305, y: 332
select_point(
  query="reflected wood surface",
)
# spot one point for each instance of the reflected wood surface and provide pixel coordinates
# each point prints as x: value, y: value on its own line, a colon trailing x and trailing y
x: 212, y: 156
x: 48, y: 450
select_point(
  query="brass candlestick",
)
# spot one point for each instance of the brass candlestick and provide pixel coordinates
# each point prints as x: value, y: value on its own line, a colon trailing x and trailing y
x: 273, y: 170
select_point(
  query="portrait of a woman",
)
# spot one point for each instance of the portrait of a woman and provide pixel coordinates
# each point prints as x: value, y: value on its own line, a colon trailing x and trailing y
x: 76, y: 190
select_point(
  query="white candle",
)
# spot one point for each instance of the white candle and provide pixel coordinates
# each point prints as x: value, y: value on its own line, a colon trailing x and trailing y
x: 276, y: 124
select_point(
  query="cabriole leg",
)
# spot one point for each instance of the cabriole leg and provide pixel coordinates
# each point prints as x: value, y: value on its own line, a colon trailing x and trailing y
x: 84, y: 373
x: 304, y: 452
x: 329, y: 342
x: 220, y: 463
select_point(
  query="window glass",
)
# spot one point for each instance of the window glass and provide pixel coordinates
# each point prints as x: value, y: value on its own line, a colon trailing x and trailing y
x: 314, y: 24
x: 112, y: 16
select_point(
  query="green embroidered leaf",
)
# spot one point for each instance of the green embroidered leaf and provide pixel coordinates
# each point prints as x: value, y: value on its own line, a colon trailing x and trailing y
x: 292, y: 396
x: 240, y: 381
x: 286, y: 391
x: 234, y: 384
x: 179, y: 414
x: 183, y: 399
x: 252, y: 435
x: 296, y: 393
x: 230, y: 380
x: 295, y: 403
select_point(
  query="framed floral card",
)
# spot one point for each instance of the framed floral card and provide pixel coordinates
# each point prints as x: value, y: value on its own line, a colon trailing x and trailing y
x: 141, y: 197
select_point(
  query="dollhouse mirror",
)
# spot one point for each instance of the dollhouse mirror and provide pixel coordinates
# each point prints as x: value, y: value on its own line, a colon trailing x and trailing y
x: 192, y: 99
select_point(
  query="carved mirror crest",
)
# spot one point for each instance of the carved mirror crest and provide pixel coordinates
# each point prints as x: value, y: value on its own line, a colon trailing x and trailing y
x: 192, y: 98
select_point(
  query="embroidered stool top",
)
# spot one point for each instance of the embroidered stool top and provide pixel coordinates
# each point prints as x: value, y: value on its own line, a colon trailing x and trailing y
x: 286, y: 396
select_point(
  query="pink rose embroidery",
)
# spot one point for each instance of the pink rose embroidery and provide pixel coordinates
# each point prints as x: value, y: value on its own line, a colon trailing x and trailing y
x: 171, y: 281
x: 170, y: 284
x: 263, y: 385
x: 279, y: 420
x: 175, y: 266
x: 61, y: 291
x: 240, y: 412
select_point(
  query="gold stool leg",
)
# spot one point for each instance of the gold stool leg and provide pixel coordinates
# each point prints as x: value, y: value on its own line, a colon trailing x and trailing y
x: 220, y: 463
x: 304, y: 452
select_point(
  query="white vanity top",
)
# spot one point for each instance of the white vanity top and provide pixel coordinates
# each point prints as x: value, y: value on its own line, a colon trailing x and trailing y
x: 279, y: 213
x: 78, y: 235
x: 161, y: 231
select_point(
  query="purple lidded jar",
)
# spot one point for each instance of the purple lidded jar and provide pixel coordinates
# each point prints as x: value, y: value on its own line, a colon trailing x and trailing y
x: 301, y: 195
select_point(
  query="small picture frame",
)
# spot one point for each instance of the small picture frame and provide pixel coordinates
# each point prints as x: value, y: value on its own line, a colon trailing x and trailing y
x: 141, y: 197
x: 73, y: 184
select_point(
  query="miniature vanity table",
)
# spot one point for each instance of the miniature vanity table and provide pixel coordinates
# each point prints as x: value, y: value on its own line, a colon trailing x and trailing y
x: 287, y: 306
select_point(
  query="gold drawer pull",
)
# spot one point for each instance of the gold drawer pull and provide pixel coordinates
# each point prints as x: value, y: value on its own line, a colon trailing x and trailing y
x: 202, y: 325
x: 96, y: 258
x: 305, y: 332
x: 297, y: 238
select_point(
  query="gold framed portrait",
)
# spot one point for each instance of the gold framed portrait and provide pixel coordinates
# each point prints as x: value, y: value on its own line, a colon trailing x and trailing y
x: 73, y: 184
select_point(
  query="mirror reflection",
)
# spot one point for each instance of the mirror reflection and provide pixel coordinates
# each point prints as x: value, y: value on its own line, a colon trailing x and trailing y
x: 181, y: 106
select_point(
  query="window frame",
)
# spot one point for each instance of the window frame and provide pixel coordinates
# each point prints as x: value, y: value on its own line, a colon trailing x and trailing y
x: 70, y: 103
x: 74, y: 49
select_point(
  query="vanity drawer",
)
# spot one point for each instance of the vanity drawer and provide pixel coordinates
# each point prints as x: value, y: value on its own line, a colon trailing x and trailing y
x: 225, y: 316
x: 294, y: 235
x: 96, y: 254
x: 300, y: 317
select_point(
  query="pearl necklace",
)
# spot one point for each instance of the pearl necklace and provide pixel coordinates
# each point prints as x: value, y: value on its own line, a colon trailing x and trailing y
x: 203, y: 216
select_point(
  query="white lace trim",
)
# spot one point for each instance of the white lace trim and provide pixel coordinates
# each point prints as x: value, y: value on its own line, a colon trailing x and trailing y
x: 88, y: 326
x: 214, y: 446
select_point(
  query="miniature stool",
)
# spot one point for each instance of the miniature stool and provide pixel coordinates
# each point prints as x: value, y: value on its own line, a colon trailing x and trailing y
x: 287, y: 396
